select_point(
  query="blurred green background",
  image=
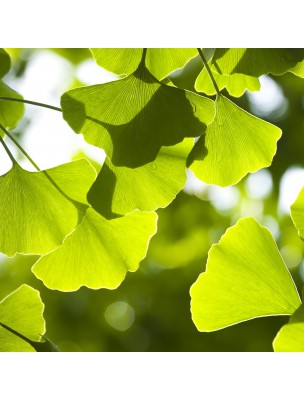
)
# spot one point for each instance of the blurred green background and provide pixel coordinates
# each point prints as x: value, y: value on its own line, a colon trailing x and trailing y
x: 150, y: 311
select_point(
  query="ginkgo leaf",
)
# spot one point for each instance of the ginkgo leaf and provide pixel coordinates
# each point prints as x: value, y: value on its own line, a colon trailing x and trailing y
x: 5, y: 63
x: 38, y: 209
x: 297, y: 213
x: 10, y: 111
x: 245, y: 278
x: 255, y: 62
x: 159, y: 61
x: 131, y: 119
x: 290, y: 336
x: 98, y: 253
x: 236, y: 84
x: 22, y: 311
x: 234, y: 144
x: 121, y: 190
x: 122, y: 62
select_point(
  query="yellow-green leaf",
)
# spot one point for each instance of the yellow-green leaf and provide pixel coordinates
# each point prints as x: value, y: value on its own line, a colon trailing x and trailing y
x: 235, y: 84
x: 131, y: 119
x: 245, y: 278
x: 21, y: 310
x: 160, y: 61
x: 297, y: 213
x: 291, y: 336
x: 121, y: 190
x: 98, y: 253
x: 234, y: 144
x: 38, y: 209
x: 255, y: 62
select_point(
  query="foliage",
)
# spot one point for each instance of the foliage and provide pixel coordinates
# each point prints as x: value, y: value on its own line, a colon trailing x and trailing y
x: 82, y: 227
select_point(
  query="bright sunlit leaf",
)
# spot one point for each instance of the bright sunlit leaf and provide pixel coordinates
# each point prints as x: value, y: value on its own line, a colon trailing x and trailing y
x: 131, y: 119
x: 160, y: 61
x: 245, y: 278
x: 255, y: 62
x: 121, y: 190
x: 10, y: 111
x: 22, y: 311
x: 234, y: 144
x: 290, y: 336
x: 38, y: 209
x: 235, y: 84
x: 297, y: 213
x: 98, y: 253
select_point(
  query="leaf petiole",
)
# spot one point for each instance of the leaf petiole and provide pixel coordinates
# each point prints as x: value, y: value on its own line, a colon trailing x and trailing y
x: 8, y: 151
x: 209, y: 71
x: 34, y: 103
x: 19, y: 147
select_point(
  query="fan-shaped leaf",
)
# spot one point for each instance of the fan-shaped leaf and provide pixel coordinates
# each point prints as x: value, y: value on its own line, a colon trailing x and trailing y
x: 234, y: 144
x: 235, y: 84
x: 98, y: 253
x: 245, y: 278
x: 255, y: 62
x: 38, y: 209
x: 160, y: 62
x: 22, y: 311
x: 290, y: 336
x: 131, y: 119
x: 121, y: 190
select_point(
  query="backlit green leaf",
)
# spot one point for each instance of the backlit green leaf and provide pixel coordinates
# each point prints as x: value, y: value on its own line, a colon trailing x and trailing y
x: 5, y: 63
x: 35, y: 215
x: 22, y: 311
x: 235, y: 84
x: 245, y: 278
x: 234, y: 144
x: 10, y: 111
x: 121, y: 62
x: 160, y: 62
x: 255, y: 62
x: 121, y: 190
x: 131, y: 119
x: 98, y: 253
x: 297, y: 213
x: 291, y: 336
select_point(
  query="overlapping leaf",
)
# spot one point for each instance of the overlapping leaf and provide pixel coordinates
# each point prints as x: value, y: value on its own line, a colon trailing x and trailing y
x: 98, y: 253
x: 121, y: 190
x: 131, y: 119
x: 290, y: 337
x: 38, y: 209
x: 245, y: 278
x: 234, y: 144
x: 10, y: 112
x: 255, y: 62
x: 21, y: 311
x: 160, y: 61
x: 236, y: 84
